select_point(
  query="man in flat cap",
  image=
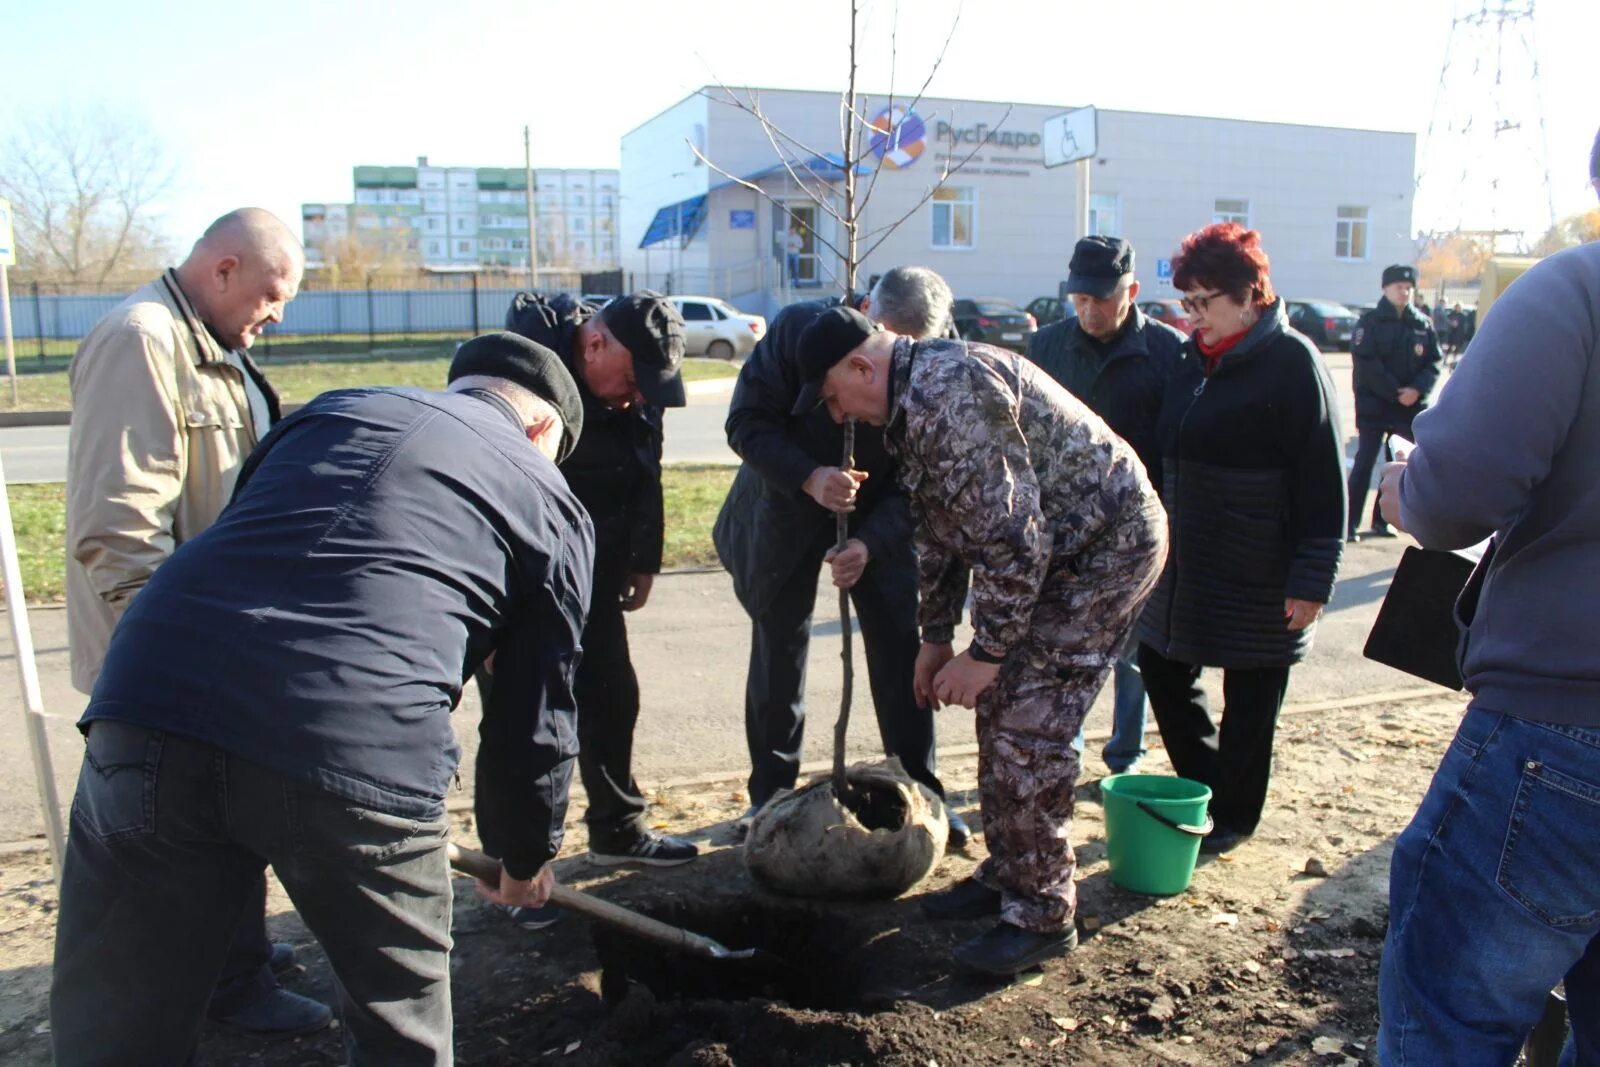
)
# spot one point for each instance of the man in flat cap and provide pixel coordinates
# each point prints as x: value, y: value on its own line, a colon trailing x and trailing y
x: 777, y: 529
x: 1118, y: 361
x: 1395, y: 360
x: 626, y: 359
x: 1012, y: 479
x: 280, y: 693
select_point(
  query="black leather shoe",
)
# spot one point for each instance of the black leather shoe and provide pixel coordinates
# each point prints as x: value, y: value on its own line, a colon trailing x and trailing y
x: 279, y: 1012
x: 965, y: 900
x: 1004, y: 949
x: 1222, y: 839
x: 960, y: 832
x: 649, y: 849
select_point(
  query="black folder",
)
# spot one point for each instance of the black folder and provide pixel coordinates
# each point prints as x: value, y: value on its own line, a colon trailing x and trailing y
x: 1417, y: 629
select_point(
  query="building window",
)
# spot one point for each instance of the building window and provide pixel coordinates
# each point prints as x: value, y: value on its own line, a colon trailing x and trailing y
x: 1231, y: 211
x: 1104, y: 217
x: 463, y: 246
x: 1350, y: 233
x: 955, y: 209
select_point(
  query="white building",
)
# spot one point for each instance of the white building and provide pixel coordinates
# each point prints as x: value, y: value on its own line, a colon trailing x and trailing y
x: 1333, y: 205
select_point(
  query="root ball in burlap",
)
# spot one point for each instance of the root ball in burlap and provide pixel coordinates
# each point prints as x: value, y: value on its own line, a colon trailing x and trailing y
x: 807, y: 844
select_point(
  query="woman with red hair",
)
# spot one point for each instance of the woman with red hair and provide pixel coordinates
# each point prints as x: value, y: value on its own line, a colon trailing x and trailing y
x: 1252, y: 475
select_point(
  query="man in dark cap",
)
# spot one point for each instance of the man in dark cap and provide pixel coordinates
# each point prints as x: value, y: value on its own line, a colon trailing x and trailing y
x: 626, y: 359
x: 280, y: 693
x: 1117, y: 361
x: 777, y: 529
x: 1395, y: 360
x: 1012, y: 479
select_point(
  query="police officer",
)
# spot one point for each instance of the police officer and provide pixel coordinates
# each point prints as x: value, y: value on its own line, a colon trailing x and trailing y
x: 626, y: 360
x: 1395, y: 365
x: 777, y: 528
x: 1011, y: 479
x: 1118, y: 361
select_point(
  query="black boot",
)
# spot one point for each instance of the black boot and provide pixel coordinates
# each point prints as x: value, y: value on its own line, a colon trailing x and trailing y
x: 1004, y: 949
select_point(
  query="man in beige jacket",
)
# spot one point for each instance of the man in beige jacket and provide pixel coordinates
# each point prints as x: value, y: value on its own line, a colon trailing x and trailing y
x: 166, y: 406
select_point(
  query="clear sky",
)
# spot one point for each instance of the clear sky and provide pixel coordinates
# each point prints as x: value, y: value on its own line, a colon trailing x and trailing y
x: 272, y: 103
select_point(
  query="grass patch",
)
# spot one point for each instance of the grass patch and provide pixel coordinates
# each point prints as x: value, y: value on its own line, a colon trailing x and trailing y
x: 693, y: 495
x: 43, y: 387
x: 39, y: 517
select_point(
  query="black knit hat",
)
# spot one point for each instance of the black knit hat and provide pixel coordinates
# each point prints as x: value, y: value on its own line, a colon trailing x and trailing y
x: 1400, y: 272
x: 650, y: 327
x: 831, y: 336
x: 532, y: 366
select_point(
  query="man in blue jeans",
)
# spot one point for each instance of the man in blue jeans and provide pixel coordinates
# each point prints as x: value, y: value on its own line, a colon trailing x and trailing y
x: 1116, y: 360
x: 1494, y: 889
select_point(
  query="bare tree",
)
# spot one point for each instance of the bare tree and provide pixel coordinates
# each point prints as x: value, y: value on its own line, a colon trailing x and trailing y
x: 82, y: 186
x: 811, y: 171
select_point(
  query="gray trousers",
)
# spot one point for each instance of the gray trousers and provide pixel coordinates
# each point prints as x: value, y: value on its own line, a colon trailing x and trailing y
x: 169, y: 838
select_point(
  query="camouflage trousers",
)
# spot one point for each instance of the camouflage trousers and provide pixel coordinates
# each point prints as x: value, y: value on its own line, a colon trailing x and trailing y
x: 1026, y: 720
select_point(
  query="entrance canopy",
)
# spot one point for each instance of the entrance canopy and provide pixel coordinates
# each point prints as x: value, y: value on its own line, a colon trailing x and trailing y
x: 684, y: 219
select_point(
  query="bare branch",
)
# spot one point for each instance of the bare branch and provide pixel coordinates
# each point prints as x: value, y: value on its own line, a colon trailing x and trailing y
x: 744, y: 183
x: 753, y: 109
x: 938, y: 62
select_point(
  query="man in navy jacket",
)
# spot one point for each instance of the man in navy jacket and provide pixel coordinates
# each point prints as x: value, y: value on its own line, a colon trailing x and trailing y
x: 280, y: 692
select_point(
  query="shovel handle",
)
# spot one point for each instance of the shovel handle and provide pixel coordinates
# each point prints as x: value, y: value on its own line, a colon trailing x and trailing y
x: 487, y: 869
x: 1194, y: 831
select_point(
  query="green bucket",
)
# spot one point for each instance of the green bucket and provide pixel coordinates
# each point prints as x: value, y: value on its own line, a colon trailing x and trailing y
x: 1154, y: 824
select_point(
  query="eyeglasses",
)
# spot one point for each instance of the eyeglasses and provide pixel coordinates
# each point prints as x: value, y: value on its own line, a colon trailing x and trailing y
x: 1193, y: 304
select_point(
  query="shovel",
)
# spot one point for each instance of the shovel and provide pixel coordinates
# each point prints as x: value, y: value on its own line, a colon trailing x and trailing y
x: 487, y: 869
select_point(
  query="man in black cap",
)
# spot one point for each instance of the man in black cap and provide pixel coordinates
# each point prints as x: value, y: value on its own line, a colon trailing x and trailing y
x: 777, y: 529
x: 1117, y: 361
x: 626, y: 359
x: 280, y: 693
x: 1395, y: 360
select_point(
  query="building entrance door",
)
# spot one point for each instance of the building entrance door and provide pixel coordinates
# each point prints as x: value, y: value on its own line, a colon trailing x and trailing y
x: 794, y: 226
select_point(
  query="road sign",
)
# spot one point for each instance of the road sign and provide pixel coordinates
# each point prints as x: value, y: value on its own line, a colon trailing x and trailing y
x: 8, y: 246
x: 1071, y: 136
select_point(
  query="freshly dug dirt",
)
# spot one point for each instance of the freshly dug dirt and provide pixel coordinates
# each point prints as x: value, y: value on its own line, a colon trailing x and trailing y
x: 1270, y: 956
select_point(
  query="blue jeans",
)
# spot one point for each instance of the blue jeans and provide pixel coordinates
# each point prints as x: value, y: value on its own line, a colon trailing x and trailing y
x: 1494, y: 897
x: 168, y: 843
x: 1128, y: 710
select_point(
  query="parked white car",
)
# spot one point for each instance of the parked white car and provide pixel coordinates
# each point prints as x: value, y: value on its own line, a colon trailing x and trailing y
x: 717, y: 329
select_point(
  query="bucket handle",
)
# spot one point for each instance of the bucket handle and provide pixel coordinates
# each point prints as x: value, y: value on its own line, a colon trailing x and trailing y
x: 1195, y: 831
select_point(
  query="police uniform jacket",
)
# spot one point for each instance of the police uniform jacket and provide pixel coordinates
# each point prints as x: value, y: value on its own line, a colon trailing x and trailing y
x: 1391, y: 350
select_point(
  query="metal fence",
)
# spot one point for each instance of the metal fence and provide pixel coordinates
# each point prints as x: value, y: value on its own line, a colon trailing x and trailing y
x: 457, y: 304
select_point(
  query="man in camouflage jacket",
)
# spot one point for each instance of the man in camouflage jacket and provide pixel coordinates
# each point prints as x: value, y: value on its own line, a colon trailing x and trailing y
x: 1012, y: 479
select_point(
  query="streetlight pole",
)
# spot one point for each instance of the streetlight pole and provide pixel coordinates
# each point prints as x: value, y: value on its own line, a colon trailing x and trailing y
x: 533, y: 228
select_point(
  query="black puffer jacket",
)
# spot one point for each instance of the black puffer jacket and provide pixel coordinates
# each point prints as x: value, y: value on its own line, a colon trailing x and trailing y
x: 1252, y: 476
x: 615, y: 468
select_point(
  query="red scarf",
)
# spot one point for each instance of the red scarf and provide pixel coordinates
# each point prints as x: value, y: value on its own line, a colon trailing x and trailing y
x: 1211, y: 355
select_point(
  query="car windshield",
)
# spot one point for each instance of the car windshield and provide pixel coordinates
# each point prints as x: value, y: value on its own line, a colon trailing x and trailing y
x: 1330, y: 311
x: 995, y: 307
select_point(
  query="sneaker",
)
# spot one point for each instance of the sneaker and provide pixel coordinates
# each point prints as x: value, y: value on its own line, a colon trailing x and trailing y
x: 970, y: 899
x: 741, y: 825
x: 532, y: 918
x: 279, y: 1012
x: 650, y: 849
x: 1352, y: 538
x: 1131, y: 767
x: 1380, y: 531
x: 1004, y: 950
x: 960, y: 832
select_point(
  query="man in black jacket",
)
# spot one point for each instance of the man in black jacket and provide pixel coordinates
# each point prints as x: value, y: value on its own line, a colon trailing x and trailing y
x: 1118, y: 362
x: 626, y: 360
x: 280, y: 693
x: 776, y: 530
x: 1395, y: 362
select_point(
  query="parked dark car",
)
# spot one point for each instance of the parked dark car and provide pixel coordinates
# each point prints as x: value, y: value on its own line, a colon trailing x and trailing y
x: 995, y: 322
x: 1327, y: 324
x: 1167, y: 310
x: 1048, y: 309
